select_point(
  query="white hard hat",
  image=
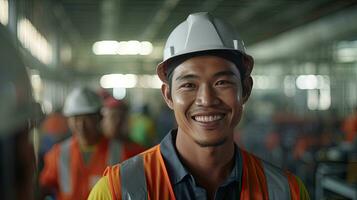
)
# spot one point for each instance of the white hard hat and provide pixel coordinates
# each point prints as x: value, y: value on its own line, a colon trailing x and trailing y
x: 17, y: 106
x: 201, y: 32
x: 82, y: 101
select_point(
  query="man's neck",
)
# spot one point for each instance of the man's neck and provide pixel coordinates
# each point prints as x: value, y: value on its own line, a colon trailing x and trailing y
x: 209, y: 165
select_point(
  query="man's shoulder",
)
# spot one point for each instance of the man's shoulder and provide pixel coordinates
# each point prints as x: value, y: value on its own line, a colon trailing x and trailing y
x: 56, y: 148
x: 148, y: 154
x: 265, y: 164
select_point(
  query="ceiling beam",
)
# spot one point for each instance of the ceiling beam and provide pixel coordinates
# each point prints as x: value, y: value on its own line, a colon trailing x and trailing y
x: 324, y: 30
x: 110, y: 18
x: 161, y: 16
x: 67, y: 25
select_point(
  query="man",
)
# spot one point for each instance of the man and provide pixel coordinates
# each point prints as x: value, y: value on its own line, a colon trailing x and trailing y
x: 73, y: 166
x: 115, y: 126
x: 17, y: 116
x: 206, y: 80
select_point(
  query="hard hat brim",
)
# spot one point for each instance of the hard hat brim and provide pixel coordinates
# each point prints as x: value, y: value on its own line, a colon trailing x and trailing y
x: 161, y: 69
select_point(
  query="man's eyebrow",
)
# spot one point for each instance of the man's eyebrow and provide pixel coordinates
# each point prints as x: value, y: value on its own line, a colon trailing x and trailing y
x: 185, y: 77
x: 225, y: 73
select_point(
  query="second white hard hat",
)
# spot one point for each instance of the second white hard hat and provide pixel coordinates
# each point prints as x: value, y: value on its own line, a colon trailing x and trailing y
x: 202, y: 32
x: 81, y: 101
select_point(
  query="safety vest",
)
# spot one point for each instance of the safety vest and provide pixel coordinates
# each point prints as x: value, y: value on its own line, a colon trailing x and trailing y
x: 145, y: 177
x: 70, y: 165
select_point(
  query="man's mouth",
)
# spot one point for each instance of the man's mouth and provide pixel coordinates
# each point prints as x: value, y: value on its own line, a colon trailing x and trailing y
x: 208, y: 118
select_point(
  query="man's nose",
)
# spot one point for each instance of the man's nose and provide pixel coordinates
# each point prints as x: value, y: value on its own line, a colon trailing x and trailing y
x: 80, y: 124
x: 206, y: 96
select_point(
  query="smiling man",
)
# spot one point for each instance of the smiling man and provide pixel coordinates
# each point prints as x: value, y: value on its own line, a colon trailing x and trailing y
x: 206, y: 80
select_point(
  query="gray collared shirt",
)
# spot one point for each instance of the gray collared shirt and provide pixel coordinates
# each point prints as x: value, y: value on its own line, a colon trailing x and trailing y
x: 184, y: 184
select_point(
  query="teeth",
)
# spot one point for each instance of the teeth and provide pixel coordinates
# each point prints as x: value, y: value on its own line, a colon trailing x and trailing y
x: 209, y: 118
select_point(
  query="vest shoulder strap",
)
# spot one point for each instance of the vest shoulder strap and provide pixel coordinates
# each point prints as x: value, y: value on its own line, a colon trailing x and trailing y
x: 132, y: 178
x: 262, y: 178
x: 64, y: 166
x: 277, y: 182
x: 145, y: 177
x: 115, y: 152
x: 254, y: 184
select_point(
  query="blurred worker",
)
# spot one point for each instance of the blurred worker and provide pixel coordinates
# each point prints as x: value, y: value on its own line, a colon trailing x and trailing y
x: 142, y: 127
x: 17, y: 114
x: 73, y: 166
x: 54, y: 129
x: 115, y: 126
x: 206, y: 76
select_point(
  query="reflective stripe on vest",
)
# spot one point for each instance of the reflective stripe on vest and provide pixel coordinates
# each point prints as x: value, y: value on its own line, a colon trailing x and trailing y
x: 65, y: 181
x: 134, y: 184
x: 64, y: 169
x: 277, y: 182
x: 133, y: 179
x: 115, y: 152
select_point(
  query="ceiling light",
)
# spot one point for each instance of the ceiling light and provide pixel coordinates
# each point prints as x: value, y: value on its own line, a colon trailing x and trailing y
x: 146, y: 48
x: 307, y: 82
x: 105, y: 47
x: 4, y: 12
x: 34, y: 41
x: 131, y: 47
x: 118, y: 81
x: 119, y: 93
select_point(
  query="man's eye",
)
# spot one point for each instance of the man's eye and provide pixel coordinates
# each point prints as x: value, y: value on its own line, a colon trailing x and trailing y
x: 188, y: 85
x: 222, y: 82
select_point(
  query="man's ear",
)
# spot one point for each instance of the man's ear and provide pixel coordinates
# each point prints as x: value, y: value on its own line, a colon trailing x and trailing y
x: 247, y: 88
x: 166, y: 93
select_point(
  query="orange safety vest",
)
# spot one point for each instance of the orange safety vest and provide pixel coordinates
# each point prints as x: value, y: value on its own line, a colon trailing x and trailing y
x: 145, y: 177
x: 72, y: 178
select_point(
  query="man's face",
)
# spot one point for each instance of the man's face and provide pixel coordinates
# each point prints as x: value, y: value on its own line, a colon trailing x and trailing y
x: 114, y: 122
x: 206, y: 97
x: 86, y: 128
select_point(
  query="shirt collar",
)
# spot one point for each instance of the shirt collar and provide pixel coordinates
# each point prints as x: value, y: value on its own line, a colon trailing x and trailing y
x: 177, y: 171
x: 175, y: 168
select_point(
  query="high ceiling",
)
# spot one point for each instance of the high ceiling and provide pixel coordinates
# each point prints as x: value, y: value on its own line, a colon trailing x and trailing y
x: 152, y: 20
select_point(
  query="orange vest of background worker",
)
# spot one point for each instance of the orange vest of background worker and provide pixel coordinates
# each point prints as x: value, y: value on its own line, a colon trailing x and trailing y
x: 206, y: 80
x: 72, y: 167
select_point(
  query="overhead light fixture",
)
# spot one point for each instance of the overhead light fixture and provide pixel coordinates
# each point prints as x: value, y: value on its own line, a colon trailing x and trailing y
x: 145, y: 48
x: 119, y: 93
x: 4, y: 12
x: 307, y: 82
x: 105, y: 47
x: 130, y: 81
x: 318, y: 90
x: 149, y: 81
x: 118, y: 81
x: 264, y: 82
x: 346, y: 51
x: 131, y: 47
x: 34, y: 41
